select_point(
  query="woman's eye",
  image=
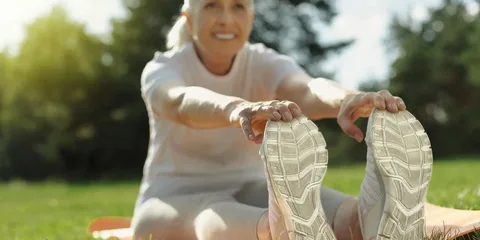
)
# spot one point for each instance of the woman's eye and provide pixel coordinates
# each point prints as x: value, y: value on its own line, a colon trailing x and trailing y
x: 210, y: 5
x: 239, y: 6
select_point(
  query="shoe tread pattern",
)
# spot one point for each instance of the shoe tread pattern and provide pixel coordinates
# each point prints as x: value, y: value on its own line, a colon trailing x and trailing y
x: 404, y: 158
x: 296, y: 160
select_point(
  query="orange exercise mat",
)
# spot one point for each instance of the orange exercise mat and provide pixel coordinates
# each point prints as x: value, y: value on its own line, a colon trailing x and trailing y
x: 457, y: 222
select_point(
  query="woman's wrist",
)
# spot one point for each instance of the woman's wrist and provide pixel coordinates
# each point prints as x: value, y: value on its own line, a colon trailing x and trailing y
x: 232, y: 110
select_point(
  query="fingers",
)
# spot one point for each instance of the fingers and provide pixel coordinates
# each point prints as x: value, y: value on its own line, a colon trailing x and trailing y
x: 284, y: 109
x: 253, y: 118
x: 382, y: 100
x: 360, y: 105
x: 268, y: 112
x: 287, y: 110
x: 394, y: 104
x: 346, y: 122
x: 390, y: 101
x: 295, y: 109
x: 258, y: 139
x: 379, y: 102
x: 354, y: 103
x: 400, y: 103
x: 246, y: 126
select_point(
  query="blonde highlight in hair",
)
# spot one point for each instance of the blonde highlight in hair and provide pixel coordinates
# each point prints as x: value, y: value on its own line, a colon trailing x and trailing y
x: 178, y: 34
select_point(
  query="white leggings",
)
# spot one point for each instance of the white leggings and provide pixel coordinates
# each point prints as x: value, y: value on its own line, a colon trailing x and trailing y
x: 217, y: 215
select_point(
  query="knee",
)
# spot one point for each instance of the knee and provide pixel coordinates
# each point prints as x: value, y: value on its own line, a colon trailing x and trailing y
x: 155, y: 220
x: 209, y: 225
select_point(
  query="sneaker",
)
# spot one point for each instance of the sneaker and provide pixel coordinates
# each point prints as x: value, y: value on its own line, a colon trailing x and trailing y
x: 391, y: 203
x: 296, y: 162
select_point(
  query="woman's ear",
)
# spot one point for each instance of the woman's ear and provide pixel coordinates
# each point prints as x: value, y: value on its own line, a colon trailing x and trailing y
x: 188, y: 19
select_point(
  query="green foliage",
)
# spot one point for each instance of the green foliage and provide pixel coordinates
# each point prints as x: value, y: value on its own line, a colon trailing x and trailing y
x: 300, y: 29
x: 60, y: 101
x: 437, y: 75
x: 74, y: 108
x: 4, y: 79
x: 70, y: 104
x: 56, y: 66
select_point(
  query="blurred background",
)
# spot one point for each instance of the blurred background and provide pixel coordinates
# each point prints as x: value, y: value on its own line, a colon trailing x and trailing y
x: 70, y: 104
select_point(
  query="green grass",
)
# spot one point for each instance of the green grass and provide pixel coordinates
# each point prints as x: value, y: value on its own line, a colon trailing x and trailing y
x: 454, y: 183
x: 61, y: 211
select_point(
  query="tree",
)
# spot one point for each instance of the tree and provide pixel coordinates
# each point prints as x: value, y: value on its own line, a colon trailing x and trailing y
x: 54, y: 102
x: 74, y: 108
x: 299, y: 31
x: 436, y: 75
x: 4, y: 80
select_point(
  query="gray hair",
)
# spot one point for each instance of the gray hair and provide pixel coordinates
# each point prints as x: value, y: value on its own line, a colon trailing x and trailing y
x: 178, y: 34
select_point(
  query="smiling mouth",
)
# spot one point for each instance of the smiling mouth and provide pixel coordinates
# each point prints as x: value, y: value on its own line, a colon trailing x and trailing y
x: 225, y: 36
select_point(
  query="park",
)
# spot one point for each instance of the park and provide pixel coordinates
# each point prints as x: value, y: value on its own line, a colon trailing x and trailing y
x: 74, y: 130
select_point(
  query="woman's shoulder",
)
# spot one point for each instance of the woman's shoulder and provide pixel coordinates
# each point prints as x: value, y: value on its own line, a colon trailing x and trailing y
x: 170, y: 60
x: 172, y: 55
x: 262, y: 52
x: 166, y: 64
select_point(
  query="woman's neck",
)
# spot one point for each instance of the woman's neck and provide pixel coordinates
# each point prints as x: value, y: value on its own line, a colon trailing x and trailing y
x: 218, y: 65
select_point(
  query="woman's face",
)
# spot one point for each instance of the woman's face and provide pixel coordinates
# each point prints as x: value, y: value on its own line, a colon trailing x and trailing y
x: 221, y: 27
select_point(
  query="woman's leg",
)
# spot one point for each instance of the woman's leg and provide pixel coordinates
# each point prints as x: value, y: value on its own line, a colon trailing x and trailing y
x: 208, y: 216
x: 347, y: 224
x: 296, y: 161
x: 340, y: 209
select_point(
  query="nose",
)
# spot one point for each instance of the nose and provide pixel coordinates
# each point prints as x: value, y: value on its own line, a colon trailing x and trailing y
x: 226, y: 16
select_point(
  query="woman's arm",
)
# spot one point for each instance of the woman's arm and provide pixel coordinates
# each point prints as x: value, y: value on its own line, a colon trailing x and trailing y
x: 317, y: 98
x: 322, y: 98
x: 195, y: 107
x: 200, y: 108
x: 167, y: 96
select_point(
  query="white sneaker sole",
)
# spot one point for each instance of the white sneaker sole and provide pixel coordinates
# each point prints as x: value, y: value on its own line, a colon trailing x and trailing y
x: 403, y: 155
x: 296, y: 159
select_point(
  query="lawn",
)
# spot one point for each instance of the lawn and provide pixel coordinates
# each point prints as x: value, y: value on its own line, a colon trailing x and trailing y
x: 61, y: 211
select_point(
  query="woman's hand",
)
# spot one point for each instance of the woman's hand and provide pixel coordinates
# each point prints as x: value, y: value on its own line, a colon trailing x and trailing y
x: 361, y: 105
x: 253, y: 116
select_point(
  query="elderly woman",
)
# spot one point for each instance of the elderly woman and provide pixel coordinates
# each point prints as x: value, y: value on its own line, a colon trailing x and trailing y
x: 233, y: 153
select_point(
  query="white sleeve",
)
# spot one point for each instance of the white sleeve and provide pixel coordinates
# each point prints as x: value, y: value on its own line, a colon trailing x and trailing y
x: 157, y: 71
x: 276, y: 67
